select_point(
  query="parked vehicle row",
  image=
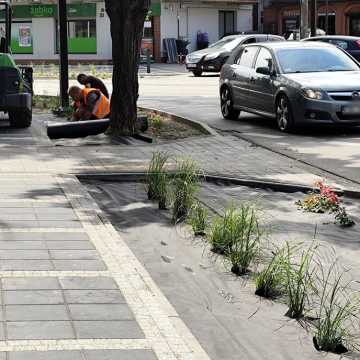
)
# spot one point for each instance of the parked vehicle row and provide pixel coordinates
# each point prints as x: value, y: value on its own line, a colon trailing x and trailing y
x: 316, y: 80
x: 215, y: 56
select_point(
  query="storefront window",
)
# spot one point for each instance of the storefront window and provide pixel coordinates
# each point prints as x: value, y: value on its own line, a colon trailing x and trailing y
x: 331, y: 27
x: 354, y: 25
x: 82, y: 28
x: 82, y: 36
x: 21, y: 37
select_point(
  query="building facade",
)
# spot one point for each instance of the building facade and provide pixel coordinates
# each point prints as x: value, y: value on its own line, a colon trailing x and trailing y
x: 184, y: 19
x: 34, y: 30
x: 340, y: 17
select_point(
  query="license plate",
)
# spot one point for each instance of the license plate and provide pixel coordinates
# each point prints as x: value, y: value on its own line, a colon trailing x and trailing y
x: 351, y: 110
x: 191, y: 66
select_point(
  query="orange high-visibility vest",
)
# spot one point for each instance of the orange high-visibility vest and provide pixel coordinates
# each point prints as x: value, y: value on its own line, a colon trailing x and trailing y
x: 102, y: 107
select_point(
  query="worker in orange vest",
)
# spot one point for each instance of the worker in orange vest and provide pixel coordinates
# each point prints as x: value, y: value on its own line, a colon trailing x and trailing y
x: 92, y: 104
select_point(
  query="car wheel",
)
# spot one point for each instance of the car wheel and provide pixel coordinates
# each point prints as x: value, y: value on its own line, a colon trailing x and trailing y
x: 20, y: 119
x: 284, y: 115
x: 227, y: 109
x: 197, y: 73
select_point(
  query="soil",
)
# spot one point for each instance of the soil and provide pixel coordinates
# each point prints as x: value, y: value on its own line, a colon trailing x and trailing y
x: 221, y: 309
x: 166, y: 130
x: 172, y: 130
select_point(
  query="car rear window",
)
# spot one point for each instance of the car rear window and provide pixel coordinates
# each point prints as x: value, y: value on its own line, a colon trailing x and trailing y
x: 296, y: 60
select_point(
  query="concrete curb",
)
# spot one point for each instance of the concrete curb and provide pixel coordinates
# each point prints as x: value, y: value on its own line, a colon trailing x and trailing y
x: 194, y: 123
x: 243, y: 181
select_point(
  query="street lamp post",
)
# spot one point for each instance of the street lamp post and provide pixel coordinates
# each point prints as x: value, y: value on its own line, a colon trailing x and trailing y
x: 63, y: 52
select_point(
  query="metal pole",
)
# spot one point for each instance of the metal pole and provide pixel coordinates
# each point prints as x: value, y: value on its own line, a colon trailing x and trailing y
x: 304, y: 18
x: 148, y: 61
x: 327, y: 18
x: 314, y: 17
x: 64, y: 58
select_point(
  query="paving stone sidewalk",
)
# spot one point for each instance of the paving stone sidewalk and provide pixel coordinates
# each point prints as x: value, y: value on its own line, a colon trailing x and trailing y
x: 70, y: 288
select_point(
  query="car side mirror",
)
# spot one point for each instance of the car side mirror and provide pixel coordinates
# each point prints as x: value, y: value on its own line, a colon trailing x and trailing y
x: 263, y: 70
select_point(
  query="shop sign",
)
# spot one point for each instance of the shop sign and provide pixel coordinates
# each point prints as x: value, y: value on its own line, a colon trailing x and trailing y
x: 155, y: 10
x: 41, y: 11
x: 38, y: 11
x: 291, y: 13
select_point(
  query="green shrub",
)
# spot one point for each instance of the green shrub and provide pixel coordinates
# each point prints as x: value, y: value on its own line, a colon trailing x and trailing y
x: 271, y: 280
x: 299, y: 280
x: 185, y: 186
x: 246, y: 241
x: 338, y: 313
x: 198, y: 219
x: 156, y: 178
x: 156, y: 122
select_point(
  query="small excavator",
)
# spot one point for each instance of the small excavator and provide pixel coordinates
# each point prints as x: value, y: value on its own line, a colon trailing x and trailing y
x: 16, y: 82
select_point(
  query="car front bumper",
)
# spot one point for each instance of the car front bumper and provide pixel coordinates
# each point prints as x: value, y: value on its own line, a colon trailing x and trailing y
x: 13, y: 102
x: 324, y: 111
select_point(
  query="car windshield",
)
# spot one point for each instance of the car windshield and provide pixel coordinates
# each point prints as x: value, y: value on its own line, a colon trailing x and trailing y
x: 227, y: 43
x: 314, y: 60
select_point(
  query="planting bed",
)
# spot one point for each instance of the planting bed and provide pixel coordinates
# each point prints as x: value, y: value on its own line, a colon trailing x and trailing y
x: 221, y: 309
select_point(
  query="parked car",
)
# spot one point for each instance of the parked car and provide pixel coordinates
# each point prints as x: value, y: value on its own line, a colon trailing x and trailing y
x: 214, y: 57
x: 351, y: 44
x: 292, y: 82
x: 294, y: 35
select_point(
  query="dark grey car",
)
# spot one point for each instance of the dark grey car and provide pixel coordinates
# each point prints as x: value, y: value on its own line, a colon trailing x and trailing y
x: 295, y: 83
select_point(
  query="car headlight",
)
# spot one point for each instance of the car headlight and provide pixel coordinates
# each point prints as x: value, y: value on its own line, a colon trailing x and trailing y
x: 212, y: 56
x: 313, y: 94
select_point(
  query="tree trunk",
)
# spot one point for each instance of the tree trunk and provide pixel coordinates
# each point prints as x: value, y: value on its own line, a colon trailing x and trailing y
x: 127, y: 23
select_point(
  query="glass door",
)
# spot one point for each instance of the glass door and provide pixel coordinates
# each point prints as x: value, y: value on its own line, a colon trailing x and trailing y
x: 227, y: 23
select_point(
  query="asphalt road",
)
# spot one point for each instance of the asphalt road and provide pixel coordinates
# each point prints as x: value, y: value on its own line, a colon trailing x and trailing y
x: 329, y: 148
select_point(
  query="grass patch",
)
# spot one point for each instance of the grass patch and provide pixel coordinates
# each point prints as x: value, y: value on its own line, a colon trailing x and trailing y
x: 45, y: 102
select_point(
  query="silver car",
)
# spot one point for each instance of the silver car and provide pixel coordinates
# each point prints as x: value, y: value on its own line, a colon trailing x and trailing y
x: 295, y: 83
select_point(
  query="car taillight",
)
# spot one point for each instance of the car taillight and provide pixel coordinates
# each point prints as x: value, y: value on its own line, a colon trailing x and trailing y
x: 358, y: 43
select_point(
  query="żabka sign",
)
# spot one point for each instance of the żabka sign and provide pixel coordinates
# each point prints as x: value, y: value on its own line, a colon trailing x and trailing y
x: 42, y: 11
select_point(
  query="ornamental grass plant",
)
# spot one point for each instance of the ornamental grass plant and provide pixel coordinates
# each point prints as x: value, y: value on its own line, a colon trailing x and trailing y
x: 337, y: 324
x: 270, y: 282
x: 198, y: 219
x: 245, y: 247
x: 156, y: 177
x: 299, y: 280
x: 185, y: 185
